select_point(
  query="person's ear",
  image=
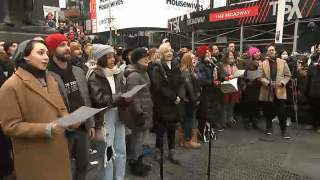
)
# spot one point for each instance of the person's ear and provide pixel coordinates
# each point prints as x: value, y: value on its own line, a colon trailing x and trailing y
x: 26, y: 58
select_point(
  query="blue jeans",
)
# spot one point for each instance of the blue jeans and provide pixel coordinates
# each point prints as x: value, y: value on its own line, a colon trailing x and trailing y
x: 190, y: 121
x: 114, y: 151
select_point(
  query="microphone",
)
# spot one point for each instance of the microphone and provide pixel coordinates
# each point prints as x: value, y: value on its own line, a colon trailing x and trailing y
x: 210, y: 62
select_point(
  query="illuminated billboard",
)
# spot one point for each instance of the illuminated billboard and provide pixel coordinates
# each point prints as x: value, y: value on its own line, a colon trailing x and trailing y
x: 140, y: 13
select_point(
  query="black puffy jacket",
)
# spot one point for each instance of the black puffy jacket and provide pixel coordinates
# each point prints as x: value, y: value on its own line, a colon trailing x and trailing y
x: 101, y: 93
x: 167, y: 90
x: 313, y: 81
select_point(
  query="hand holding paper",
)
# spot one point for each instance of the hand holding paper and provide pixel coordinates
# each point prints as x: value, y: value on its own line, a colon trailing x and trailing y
x: 252, y: 75
x: 238, y: 73
x: 56, y: 129
x: 78, y: 116
x: 133, y: 91
x: 229, y: 86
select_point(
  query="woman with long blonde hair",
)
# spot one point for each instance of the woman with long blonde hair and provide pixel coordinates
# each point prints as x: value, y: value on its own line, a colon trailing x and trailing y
x: 153, y: 54
x: 188, y: 135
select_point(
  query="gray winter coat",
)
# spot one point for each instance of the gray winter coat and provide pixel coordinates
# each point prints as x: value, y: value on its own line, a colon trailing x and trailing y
x: 140, y: 109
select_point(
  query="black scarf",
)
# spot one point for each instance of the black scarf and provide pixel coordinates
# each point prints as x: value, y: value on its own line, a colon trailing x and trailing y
x: 52, y: 66
x: 273, y: 68
x: 32, y: 70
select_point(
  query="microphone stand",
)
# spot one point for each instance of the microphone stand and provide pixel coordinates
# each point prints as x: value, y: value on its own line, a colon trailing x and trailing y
x: 213, y: 64
x: 211, y: 132
x: 210, y: 143
x: 161, y: 159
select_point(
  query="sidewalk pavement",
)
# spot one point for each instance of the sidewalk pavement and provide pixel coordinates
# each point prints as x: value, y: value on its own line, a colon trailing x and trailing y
x: 239, y: 154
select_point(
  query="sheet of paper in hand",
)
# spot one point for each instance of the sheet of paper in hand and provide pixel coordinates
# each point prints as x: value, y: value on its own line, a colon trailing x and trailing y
x: 78, y: 116
x: 229, y: 86
x: 238, y: 73
x: 252, y: 75
x: 133, y: 91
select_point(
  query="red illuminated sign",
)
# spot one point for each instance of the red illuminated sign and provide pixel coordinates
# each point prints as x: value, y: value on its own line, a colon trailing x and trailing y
x: 234, y: 14
x: 93, y: 13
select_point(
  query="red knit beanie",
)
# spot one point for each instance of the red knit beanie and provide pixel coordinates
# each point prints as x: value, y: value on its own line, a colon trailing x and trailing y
x: 54, y: 40
x: 202, y: 51
x: 72, y: 36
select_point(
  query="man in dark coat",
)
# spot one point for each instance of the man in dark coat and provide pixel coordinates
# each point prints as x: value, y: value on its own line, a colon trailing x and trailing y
x: 169, y: 89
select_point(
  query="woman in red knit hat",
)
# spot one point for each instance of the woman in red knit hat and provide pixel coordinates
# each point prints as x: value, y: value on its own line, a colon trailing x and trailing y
x: 210, y: 76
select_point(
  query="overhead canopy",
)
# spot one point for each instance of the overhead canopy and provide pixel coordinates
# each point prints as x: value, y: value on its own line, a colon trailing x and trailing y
x: 257, y: 12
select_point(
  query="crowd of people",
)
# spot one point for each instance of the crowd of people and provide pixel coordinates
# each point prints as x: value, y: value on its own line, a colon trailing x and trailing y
x: 43, y: 80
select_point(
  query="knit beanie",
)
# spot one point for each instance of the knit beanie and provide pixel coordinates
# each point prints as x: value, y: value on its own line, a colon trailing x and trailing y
x: 202, y: 51
x: 253, y: 50
x: 74, y: 46
x: 137, y: 54
x: 100, y: 50
x: 72, y: 36
x: 54, y: 40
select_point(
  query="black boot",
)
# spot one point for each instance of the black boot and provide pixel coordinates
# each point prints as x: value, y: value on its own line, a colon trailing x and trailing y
x: 269, y: 127
x: 138, y: 169
x: 255, y: 123
x: 246, y: 124
x: 145, y: 166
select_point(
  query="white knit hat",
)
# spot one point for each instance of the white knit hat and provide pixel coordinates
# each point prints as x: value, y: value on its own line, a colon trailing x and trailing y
x: 100, y: 50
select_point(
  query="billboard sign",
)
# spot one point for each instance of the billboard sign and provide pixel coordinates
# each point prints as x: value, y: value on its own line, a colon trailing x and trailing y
x: 141, y: 13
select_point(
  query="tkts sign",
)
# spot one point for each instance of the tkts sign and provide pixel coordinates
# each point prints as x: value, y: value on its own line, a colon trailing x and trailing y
x: 258, y: 12
x: 184, y: 24
x: 292, y: 8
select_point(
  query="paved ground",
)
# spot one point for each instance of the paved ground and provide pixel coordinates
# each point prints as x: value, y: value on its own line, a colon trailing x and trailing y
x: 238, y: 154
